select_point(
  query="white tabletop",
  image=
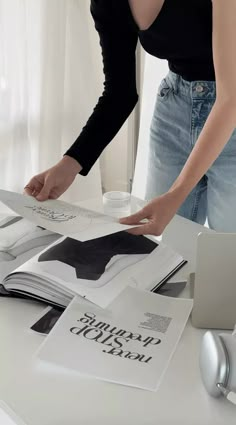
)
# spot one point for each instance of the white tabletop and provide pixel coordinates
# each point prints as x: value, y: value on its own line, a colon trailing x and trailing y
x: 42, y: 398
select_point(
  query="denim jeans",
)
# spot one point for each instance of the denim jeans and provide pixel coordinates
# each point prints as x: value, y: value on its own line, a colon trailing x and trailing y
x: 181, y: 110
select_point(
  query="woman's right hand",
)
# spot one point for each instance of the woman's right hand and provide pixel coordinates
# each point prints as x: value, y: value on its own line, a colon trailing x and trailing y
x: 53, y: 182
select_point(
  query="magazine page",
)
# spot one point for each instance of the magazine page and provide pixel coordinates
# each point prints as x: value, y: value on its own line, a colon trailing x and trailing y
x: 97, y: 270
x: 130, y: 344
x: 61, y: 217
x: 20, y: 240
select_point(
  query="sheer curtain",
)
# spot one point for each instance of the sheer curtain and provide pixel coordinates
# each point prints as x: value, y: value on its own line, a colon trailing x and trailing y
x: 50, y: 79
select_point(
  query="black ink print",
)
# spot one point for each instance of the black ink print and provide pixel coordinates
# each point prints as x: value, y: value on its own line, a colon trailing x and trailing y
x: 91, y: 257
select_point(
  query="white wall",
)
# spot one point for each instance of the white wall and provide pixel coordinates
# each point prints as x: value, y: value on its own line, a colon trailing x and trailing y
x: 154, y: 70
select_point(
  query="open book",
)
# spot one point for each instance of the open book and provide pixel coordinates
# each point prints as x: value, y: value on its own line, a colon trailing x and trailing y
x: 95, y: 259
x: 97, y: 270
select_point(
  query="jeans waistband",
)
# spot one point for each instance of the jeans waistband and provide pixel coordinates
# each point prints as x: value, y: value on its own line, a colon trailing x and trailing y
x: 194, y: 89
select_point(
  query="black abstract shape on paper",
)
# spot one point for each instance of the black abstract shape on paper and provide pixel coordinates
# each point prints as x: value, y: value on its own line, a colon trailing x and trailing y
x: 90, y: 258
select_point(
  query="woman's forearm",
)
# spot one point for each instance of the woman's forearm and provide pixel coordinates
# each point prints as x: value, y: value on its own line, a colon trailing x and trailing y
x: 216, y: 133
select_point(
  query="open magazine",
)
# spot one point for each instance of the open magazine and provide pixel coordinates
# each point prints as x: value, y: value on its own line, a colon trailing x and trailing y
x: 130, y: 343
x: 95, y: 259
x: 97, y: 270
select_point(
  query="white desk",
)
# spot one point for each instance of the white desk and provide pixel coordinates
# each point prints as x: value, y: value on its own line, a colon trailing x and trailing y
x: 56, y: 399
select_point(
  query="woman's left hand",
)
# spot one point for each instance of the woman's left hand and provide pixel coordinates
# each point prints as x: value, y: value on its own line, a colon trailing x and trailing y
x: 157, y: 214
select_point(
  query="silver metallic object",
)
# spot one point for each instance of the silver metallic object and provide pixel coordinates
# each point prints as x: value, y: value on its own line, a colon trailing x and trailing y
x: 218, y: 364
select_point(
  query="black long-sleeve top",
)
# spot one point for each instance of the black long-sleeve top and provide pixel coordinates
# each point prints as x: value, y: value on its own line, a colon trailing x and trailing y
x: 182, y: 34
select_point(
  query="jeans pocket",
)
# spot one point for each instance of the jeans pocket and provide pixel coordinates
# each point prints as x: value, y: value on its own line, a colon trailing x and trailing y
x: 163, y: 89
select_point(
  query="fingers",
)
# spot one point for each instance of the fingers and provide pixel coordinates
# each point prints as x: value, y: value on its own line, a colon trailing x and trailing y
x: 134, y: 218
x: 144, y: 229
x: 41, y: 194
x: 47, y: 192
x: 54, y: 194
x: 44, y: 193
x: 53, y: 182
x: 137, y: 219
x: 43, y: 187
x: 40, y: 187
x: 33, y: 187
x: 28, y: 190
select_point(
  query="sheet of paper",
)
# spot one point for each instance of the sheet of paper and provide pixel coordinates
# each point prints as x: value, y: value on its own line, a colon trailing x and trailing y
x: 61, y: 217
x: 131, y: 343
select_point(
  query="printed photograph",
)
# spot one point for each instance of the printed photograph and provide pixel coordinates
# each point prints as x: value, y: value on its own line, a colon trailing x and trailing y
x: 18, y: 236
x: 95, y: 262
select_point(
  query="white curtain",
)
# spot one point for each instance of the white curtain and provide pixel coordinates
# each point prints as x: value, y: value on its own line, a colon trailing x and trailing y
x: 50, y: 79
x: 154, y: 70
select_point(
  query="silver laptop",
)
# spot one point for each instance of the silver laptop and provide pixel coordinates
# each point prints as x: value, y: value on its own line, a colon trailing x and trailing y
x: 213, y: 285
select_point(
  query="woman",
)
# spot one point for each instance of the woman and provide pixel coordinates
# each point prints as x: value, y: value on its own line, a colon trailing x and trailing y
x: 192, y: 166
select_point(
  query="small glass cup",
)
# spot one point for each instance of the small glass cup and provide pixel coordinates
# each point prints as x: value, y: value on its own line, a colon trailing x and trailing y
x: 116, y: 203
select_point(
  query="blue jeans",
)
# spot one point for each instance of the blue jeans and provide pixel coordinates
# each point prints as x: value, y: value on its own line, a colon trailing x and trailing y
x: 181, y: 110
